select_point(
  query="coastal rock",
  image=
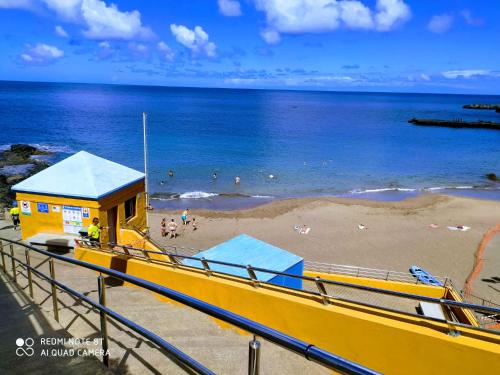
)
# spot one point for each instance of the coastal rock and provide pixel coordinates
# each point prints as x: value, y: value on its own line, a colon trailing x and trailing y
x: 18, y: 155
x: 492, y: 177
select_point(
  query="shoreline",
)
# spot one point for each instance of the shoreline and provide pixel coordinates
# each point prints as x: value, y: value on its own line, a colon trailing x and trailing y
x: 396, y: 236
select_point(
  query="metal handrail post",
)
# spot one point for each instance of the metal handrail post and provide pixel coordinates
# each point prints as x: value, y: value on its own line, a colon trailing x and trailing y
x: 13, y: 260
x: 254, y: 357
x: 28, y: 271
x: 4, y: 268
x: 54, y: 290
x: 104, y: 328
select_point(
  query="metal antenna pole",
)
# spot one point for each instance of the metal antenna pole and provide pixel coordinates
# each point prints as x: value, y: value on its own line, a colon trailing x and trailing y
x: 144, y: 120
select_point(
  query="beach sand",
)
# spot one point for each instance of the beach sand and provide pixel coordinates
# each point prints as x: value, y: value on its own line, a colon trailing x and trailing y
x: 397, y: 235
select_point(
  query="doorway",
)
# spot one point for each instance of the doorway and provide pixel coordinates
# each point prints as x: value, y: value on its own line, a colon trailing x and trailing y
x: 112, y: 224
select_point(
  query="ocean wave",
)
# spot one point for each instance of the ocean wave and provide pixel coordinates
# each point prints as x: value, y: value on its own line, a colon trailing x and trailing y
x: 381, y: 190
x: 196, y: 195
x: 261, y: 196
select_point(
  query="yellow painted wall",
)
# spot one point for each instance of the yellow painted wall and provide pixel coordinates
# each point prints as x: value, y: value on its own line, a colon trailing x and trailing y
x: 389, y: 342
x: 52, y: 222
x: 420, y: 289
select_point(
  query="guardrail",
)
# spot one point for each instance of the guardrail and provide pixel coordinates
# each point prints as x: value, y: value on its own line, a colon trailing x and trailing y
x: 371, y: 273
x: 302, y: 348
x: 319, y: 283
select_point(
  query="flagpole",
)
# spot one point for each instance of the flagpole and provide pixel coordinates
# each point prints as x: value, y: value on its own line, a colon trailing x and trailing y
x: 144, y: 120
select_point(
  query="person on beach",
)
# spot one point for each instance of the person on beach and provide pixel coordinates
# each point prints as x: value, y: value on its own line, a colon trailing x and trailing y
x: 172, y: 228
x: 163, y: 227
x: 14, y: 214
x: 237, y: 180
x: 184, y: 217
x: 194, y: 224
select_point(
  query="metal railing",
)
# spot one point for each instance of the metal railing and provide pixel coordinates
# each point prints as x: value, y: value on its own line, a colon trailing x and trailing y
x: 370, y: 273
x: 320, y: 284
x: 290, y: 343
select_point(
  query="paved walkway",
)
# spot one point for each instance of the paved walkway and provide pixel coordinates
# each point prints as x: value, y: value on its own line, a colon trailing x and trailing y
x: 222, y: 350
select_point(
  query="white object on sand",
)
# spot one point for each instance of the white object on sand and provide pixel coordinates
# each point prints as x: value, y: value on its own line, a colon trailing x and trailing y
x: 361, y: 227
x: 461, y: 228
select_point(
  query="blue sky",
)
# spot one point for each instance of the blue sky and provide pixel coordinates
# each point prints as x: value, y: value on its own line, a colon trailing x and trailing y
x: 443, y: 46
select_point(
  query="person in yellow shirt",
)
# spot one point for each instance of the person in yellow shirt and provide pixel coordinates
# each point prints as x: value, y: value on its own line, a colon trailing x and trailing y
x: 14, y: 214
x: 94, y: 230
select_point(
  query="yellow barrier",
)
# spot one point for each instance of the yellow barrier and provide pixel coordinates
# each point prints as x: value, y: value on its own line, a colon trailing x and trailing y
x: 389, y: 342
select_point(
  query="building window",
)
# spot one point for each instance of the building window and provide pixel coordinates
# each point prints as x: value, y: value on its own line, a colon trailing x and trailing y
x: 130, y: 208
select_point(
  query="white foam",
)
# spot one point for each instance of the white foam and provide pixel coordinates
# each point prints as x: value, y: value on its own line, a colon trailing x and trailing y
x: 196, y: 195
x: 261, y: 196
x: 381, y: 190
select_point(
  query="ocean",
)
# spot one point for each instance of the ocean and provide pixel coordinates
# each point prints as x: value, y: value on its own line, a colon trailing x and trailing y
x: 281, y: 144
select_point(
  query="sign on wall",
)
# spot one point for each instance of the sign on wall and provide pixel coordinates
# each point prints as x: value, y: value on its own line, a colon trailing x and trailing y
x: 86, y: 212
x: 72, y: 219
x: 56, y: 209
x: 42, y: 208
x: 25, y: 207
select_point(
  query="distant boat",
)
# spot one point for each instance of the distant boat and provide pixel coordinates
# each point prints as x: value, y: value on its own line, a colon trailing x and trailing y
x: 424, y: 277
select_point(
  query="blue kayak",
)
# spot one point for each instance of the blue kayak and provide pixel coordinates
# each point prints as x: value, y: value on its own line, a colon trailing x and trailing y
x: 424, y: 277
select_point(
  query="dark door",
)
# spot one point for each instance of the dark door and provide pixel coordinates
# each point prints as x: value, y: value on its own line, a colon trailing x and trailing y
x: 112, y: 217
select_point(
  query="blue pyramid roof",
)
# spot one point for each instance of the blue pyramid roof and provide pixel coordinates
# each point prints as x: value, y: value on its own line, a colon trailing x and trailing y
x: 246, y: 250
x: 81, y: 175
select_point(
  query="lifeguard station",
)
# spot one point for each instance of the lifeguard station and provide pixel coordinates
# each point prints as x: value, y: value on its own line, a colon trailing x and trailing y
x: 58, y: 202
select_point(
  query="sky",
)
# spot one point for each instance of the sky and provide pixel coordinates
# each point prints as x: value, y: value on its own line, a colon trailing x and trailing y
x: 435, y: 46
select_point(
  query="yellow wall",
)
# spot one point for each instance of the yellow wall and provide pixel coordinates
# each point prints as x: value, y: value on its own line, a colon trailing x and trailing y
x: 420, y: 289
x: 389, y: 342
x: 52, y: 222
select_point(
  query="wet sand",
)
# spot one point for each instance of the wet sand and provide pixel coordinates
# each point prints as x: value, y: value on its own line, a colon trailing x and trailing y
x: 397, y: 235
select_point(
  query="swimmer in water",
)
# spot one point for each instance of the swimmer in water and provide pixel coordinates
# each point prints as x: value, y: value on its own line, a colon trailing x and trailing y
x: 162, y: 182
x: 237, y: 180
x: 170, y: 173
x: 214, y: 175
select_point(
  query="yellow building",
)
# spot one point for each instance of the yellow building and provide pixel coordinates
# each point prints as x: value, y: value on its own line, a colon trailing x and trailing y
x: 58, y: 202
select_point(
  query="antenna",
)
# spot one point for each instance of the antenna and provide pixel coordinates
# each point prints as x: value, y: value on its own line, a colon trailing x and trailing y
x: 144, y: 121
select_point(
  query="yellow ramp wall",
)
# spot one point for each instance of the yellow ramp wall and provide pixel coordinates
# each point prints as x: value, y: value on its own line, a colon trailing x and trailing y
x: 388, y: 342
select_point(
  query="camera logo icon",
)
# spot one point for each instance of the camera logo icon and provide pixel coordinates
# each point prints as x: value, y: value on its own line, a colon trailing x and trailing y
x: 25, y: 347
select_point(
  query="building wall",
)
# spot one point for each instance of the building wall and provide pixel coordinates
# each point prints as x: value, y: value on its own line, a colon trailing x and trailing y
x: 389, y: 342
x: 52, y: 221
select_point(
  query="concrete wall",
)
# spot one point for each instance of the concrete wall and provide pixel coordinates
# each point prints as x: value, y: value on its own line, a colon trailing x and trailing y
x: 51, y: 222
x: 389, y: 342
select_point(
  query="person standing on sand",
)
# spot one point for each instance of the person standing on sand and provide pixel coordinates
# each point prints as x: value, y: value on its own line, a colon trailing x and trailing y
x: 172, y: 228
x: 185, y: 216
x: 163, y: 227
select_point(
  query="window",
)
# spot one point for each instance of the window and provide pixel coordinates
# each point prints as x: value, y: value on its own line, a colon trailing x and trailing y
x: 130, y: 208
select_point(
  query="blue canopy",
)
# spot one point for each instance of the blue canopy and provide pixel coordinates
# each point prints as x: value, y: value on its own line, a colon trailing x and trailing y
x: 81, y: 175
x: 246, y: 250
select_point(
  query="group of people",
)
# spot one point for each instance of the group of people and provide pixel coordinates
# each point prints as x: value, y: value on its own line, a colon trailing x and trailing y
x: 169, y: 229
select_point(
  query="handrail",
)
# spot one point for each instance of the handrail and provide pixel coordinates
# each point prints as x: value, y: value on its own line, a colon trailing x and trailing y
x: 440, y: 301
x: 309, y: 351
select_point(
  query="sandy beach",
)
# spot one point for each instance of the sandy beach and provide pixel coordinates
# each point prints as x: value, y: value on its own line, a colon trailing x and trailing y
x: 397, y: 234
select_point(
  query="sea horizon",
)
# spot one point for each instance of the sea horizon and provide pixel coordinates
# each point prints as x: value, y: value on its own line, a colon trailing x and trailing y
x: 282, y: 143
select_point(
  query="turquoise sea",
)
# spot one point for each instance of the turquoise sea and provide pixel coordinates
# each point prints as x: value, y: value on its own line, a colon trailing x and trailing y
x: 280, y: 143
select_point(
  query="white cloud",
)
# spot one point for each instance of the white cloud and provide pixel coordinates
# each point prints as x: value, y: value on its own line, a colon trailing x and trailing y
x: 440, y: 23
x: 108, y: 22
x: 315, y: 16
x: 271, y: 36
x: 41, y: 54
x: 466, y: 73
x: 59, y: 30
x: 229, y: 8
x: 167, y: 52
x: 100, y: 20
x: 196, y: 40
x: 470, y: 20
